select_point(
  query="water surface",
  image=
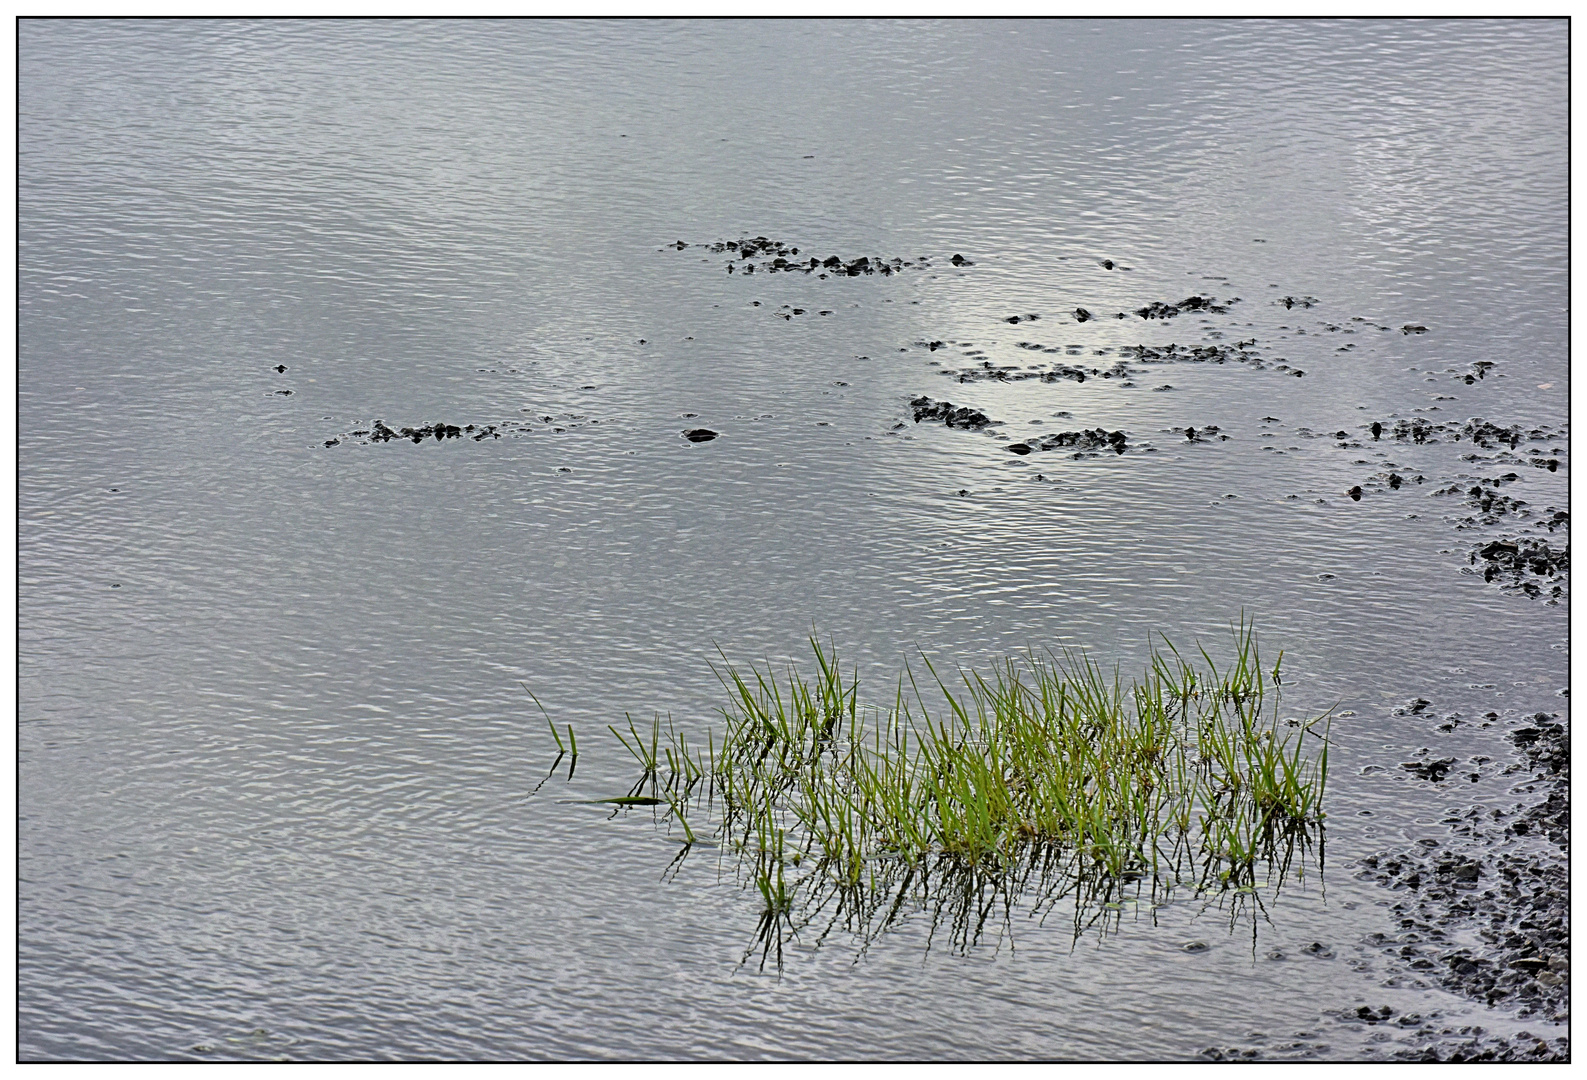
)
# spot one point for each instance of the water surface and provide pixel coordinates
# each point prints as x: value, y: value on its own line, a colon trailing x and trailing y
x: 275, y: 760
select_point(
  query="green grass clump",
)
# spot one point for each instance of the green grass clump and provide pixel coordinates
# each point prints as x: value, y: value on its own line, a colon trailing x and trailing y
x: 1044, y: 776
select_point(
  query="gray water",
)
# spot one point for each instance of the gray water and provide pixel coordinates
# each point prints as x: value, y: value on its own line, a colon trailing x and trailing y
x: 275, y: 762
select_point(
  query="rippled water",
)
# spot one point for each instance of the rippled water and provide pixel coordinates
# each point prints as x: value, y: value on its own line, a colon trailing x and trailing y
x: 275, y: 761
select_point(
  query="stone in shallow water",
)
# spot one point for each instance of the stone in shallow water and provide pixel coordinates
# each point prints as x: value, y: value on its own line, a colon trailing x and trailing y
x: 700, y: 434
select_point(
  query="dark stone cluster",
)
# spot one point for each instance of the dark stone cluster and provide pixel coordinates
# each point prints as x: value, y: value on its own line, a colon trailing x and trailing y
x: 1084, y: 443
x: 436, y: 431
x: 1488, y: 501
x: 1240, y: 352
x: 1159, y: 310
x: 1206, y: 433
x: 1545, y: 744
x: 1490, y: 921
x: 961, y: 416
x: 1429, y: 770
x: 1510, y: 561
x: 1481, y: 432
x: 986, y: 371
x: 775, y: 256
x: 1518, y: 902
x: 1484, y: 1048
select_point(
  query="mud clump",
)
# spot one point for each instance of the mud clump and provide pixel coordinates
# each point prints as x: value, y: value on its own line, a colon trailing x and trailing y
x: 1084, y: 443
x: 1511, y: 561
x: 1429, y: 770
x: 1159, y: 310
x: 438, y: 432
x: 960, y: 416
x: 1206, y: 433
x: 1545, y: 744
